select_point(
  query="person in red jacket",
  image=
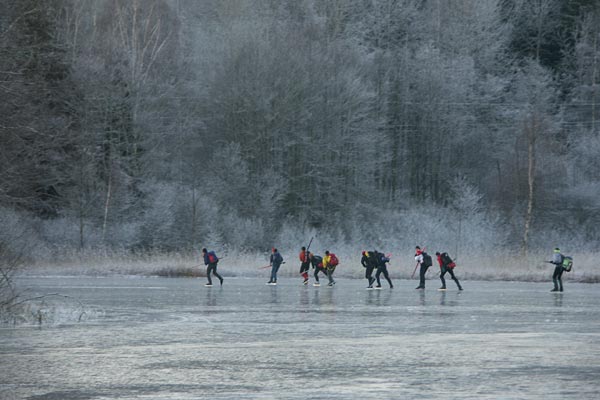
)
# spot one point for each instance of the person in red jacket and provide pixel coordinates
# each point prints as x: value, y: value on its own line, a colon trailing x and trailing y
x: 446, y: 265
x: 305, y: 264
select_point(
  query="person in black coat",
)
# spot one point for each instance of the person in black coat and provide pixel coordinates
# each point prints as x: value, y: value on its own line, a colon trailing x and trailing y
x: 368, y: 261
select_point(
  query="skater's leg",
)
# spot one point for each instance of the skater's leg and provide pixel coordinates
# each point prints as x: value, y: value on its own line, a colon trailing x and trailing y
x: 560, y: 283
x: 387, y: 276
x: 556, y: 277
x: 377, y: 274
x: 208, y: 271
x: 454, y: 278
x: 442, y: 273
x: 215, y: 273
x: 422, y: 276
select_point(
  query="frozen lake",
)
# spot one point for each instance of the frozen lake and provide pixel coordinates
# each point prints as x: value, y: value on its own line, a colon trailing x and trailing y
x: 159, y: 338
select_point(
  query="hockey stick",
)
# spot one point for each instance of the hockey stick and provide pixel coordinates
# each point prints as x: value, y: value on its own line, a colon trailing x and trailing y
x: 309, y: 243
x: 415, y: 270
x: 268, y: 266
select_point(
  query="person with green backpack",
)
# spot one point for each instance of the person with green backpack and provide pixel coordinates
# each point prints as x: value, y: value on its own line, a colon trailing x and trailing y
x: 557, y: 260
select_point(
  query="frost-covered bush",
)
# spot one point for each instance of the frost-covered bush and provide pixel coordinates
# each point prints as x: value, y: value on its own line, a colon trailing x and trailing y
x: 157, y: 229
x: 243, y: 233
x: 17, y: 244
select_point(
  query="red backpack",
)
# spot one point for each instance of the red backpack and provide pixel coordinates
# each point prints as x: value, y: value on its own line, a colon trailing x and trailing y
x: 333, y: 260
x: 212, y: 257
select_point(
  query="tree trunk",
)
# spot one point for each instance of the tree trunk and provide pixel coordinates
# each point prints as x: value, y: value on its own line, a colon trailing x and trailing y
x: 594, y: 74
x: 194, y: 214
x: 531, y: 131
x: 81, y: 220
x: 107, y: 204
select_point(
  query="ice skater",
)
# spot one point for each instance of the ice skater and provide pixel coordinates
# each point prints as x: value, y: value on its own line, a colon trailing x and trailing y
x: 211, y: 260
x: 330, y: 261
x: 276, y: 260
x: 369, y: 263
x: 557, y: 260
x: 424, y: 261
x: 381, y: 260
x: 446, y: 266
x: 317, y: 263
x: 304, y: 264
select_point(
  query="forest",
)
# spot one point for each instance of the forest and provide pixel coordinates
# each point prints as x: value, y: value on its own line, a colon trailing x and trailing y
x: 165, y: 126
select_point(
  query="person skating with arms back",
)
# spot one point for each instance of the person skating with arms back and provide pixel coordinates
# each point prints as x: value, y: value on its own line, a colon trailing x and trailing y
x: 369, y: 262
x: 304, y: 264
x: 382, y: 269
x: 330, y: 261
x: 275, y: 260
x: 317, y: 263
x: 557, y: 260
x: 381, y: 262
x: 211, y: 260
x: 424, y: 262
x: 446, y: 266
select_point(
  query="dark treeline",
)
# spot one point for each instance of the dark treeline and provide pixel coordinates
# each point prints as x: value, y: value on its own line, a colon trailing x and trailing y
x: 162, y: 124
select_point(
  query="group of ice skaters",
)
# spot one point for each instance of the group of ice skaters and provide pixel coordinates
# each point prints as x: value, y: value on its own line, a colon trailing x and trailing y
x: 374, y: 261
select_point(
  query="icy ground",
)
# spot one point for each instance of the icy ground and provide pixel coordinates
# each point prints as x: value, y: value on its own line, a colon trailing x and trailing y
x: 159, y: 338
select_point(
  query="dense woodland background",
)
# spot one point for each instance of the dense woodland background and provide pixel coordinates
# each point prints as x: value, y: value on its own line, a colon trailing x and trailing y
x: 165, y: 125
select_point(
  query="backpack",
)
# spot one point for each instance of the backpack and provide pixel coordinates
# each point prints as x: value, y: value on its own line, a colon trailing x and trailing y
x: 317, y: 262
x: 277, y: 258
x: 383, y: 259
x: 447, y: 261
x: 212, y: 257
x: 567, y: 263
x: 427, y: 261
x: 372, y: 259
x: 333, y: 260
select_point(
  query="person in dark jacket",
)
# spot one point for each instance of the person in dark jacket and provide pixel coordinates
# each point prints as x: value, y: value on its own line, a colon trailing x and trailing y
x: 557, y: 260
x: 211, y: 260
x: 381, y: 260
x: 276, y: 260
x: 446, y: 266
x: 317, y: 264
x: 368, y: 261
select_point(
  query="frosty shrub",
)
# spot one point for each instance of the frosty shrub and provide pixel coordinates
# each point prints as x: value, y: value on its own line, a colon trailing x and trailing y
x: 15, y: 245
x: 291, y: 238
x: 158, y: 226
x: 243, y: 233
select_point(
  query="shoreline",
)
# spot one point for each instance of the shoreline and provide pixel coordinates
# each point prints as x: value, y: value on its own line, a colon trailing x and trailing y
x: 468, y: 277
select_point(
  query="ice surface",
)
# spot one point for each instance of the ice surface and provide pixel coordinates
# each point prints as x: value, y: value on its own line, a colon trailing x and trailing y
x: 155, y: 338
